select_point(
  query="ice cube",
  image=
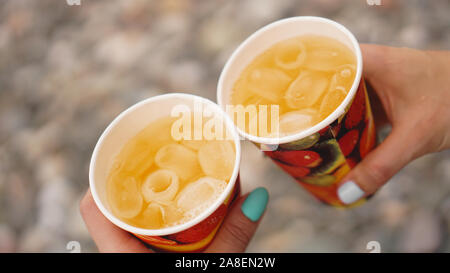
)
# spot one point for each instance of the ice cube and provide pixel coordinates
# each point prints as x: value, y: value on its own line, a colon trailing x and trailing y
x: 290, y: 55
x: 268, y: 83
x: 342, y: 77
x: 125, y: 198
x: 139, y: 157
x: 296, y: 121
x: 177, y: 158
x: 172, y: 214
x: 199, y: 195
x: 306, y: 89
x: 323, y: 59
x: 217, y: 159
x: 346, y: 71
x: 331, y: 101
x: 256, y: 100
x: 190, y: 129
x: 338, y: 89
x: 153, y: 217
x: 160, y: 186
x: 158, y: 134
x: 193, y: 144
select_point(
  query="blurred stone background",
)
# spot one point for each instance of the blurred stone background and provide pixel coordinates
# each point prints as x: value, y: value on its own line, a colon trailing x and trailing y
x: 67, y: 71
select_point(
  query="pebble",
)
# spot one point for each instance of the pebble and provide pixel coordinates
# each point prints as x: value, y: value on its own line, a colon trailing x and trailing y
x: 7, y: 239
x: 421, y: 233
x: 65, y: 74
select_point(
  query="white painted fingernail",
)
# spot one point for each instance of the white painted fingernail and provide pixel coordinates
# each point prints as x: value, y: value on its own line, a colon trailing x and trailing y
x: 350, y: 192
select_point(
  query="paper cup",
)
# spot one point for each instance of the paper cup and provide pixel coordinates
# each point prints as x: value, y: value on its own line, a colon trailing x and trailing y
x: 320, y: 156
x: 193, y: 235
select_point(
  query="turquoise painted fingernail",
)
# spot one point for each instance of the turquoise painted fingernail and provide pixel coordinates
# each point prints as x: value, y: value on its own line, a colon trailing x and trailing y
x: 255, y: 204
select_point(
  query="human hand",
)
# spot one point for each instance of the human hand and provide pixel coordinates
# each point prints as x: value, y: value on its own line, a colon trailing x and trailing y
x: 233, y: 236
x: 412, y: 94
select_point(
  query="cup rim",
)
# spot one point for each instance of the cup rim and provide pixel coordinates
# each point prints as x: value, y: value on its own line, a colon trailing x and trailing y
x: 177, y: 228
x: 340, y: 110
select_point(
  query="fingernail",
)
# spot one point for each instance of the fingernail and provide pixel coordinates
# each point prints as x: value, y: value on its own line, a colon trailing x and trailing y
x: 255, y: 204
x: 350, y: 192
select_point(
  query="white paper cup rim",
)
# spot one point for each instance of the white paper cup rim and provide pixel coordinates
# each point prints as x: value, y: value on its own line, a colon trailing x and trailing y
x: 325, y: 122
x: 178, y: 228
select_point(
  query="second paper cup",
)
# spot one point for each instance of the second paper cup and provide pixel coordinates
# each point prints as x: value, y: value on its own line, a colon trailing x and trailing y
x: 193, y: 235
x: 320, y: 156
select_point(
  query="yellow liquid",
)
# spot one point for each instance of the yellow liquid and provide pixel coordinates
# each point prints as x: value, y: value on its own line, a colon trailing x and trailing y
x: 308, y: 77
x: 157, y: 182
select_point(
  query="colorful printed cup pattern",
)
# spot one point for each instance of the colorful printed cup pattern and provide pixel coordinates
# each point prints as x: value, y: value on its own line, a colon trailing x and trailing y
x: 320, y: 161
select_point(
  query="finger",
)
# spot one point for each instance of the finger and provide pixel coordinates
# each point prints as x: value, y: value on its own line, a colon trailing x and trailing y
x: 378, y: 111
x: 107, y: 236
x: 375, y: 61
x: 375, y: 58
x: 241, y: 223
x: 377, y: 167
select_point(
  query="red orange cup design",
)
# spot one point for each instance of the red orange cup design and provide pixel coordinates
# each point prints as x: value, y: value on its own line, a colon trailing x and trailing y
x: 318, y: 162
x: 193, y: 235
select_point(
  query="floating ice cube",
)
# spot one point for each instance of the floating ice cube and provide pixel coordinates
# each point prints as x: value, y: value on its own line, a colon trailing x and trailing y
x: 290, y: 55
x: 323, y: 59
x: 193, y: 144
x: 217, y: 159
x: 158, y: 134
x: 125, y: 197
x: 160, y: 186
x: 345, y: 73
x: 342, y: 77
x: 153, y: 217
x: 337, y: 91
x: 306, y: 89
x: 199, y: 195
x: 172, y: 214
x: 181, y: 160
x: 138, y: 157
x: 295, y: 121
x: 333, y: 98
x: 268, y: 83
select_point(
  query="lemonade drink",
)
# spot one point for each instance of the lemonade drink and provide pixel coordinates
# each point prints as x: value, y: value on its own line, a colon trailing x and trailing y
x: 308, y: 71
x: 157, y: 181
x: 307, y: 76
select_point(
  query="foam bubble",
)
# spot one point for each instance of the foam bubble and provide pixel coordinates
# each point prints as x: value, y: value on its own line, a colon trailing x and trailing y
x: 198, y: 210
x: 199, y: 196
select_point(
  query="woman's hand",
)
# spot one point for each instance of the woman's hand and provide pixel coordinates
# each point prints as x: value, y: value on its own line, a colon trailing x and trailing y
x: 412, y: 94
x: 233, y: 236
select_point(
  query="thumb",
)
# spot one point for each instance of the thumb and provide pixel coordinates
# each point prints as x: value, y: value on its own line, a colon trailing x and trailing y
x: 241, y: 223
x: 377, y: 167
